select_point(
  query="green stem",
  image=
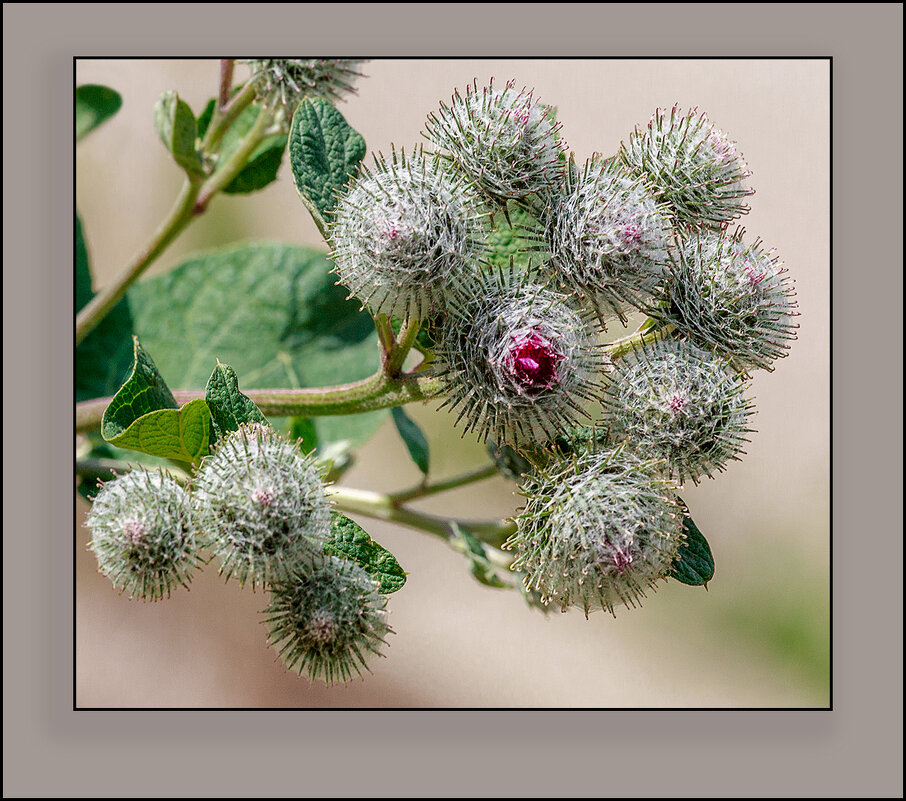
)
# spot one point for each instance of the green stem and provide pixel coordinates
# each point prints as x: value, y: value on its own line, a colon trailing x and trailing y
x: 370, y: 394
x: 227, y: 171
x: 403, y: 345
x: 228, y: 115
x: 180, y: 216
x: 424, y: 490
x: 103, y: 468
x: 621, y: 347
x: 385, y: 335
x: 192, y: 201
x: 382, y: 507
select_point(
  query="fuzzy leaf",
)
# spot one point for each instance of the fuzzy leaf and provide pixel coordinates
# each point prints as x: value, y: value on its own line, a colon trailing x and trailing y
x: 324, y: 151
x: 270, y: 311
x: 143, y: 416
x: 695, y: 563
x: 351, y: 541
x: 229, y: 407
x: 482, y: 568
x: 413, y: 437
x: 178, y: 130
x: 94, y: 104
x: 103, y: 358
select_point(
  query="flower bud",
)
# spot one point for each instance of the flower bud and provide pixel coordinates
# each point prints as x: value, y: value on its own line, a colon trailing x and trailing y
x: 692, y: 165
x: 405, y: 232
x: 141, y: 534
x: 675, y: 402
x: 327, y: 621
x: 260, y: 506
x: 288, y: 80
x: 608, y: 237
x: 731, y: 298
x: 518, y: 361
x: 502, y: 138
x: 597, y: 530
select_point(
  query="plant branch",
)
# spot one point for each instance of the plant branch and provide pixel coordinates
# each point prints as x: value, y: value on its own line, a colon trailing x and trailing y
x: 641, y: 336
x: 228, y: 115
x: 193, y: 201
x: 461, y: 480
x: 403, y: 345
x: 382, y: 507
x: 226, y: 84
x: 376, y: 392
x: 227, y: 171
x: 180, y: 216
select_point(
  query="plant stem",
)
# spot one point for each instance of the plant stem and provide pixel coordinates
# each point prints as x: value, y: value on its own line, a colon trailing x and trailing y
x: 376, y: 392
x: 193, y: 201
x: 181, y: 214
x: 227, y: 171
x: 226, y: 84
x: 385, y: 335
x: 621, y: 347
x: 228, y: 115
x: 102, y: 468
x: 382, y: 507
x: 403, y: 345
x: 424, y: 490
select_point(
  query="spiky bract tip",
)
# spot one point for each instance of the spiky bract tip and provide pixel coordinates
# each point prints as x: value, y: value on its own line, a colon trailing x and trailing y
x: 141, y: 534
x: 260, y: 506
x: 608, y: 236
x: 405, y: 232
x: 519, y: 362
x: 681, y: 404
x: 327, y: 620
x: 692, y: 165
x: 286, y: 81
x: 503, y: 138
x: 597, y: 530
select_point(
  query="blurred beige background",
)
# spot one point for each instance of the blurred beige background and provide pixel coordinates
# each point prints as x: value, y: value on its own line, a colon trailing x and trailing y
x: 759, y: 637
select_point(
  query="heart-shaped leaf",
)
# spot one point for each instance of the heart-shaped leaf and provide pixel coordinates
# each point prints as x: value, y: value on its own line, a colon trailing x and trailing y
x: 143, y: 416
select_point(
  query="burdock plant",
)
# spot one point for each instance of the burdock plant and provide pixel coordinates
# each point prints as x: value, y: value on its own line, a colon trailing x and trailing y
x: 478, y: 270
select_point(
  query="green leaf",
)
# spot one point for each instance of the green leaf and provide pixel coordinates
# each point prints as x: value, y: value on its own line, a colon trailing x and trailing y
x: 94, y: 104
x: 264, y: 162
x: 143, y: 416
x: 351, y: 541
x: 178, y: 130
x: 273, y: 313
x: 482, y: 568
x: 324, y: 152
x: 303, y: 429
x: 104, y: 356
x: 143, y: 391
x: 413, y: 437
x: 229, y: 407
x: 181, y: 434
x: 695, y: 563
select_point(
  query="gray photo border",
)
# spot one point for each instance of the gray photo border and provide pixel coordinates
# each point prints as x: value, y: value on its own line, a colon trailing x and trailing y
x: 853, y: 750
